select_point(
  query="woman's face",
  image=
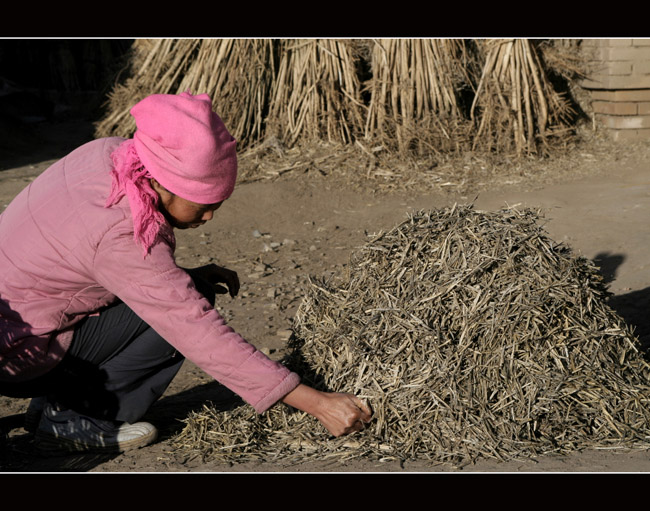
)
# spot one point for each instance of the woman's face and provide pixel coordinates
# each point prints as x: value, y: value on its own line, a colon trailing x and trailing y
x: 181, y: 213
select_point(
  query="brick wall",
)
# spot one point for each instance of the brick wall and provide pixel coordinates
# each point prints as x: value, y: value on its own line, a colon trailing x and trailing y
x: 619, y: 84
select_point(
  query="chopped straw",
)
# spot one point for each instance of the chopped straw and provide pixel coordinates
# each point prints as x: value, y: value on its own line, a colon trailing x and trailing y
x: 471, y: 335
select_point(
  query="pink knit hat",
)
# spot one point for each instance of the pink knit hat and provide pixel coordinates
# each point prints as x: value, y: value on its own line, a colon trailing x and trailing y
x: 185, y: 146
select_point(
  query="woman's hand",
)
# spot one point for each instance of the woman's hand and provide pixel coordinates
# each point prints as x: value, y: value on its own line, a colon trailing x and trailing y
x: 216, y: 275
x: 340, y: 413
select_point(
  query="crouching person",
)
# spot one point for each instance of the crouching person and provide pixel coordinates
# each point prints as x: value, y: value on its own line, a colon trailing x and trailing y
x: 96, y: 318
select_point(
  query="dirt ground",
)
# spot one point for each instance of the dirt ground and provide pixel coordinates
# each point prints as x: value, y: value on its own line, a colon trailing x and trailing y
x: 275, y: 233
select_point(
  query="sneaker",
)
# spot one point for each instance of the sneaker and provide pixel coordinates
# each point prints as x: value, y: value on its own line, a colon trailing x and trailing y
x: 66, y: 430
x: 33, y: 413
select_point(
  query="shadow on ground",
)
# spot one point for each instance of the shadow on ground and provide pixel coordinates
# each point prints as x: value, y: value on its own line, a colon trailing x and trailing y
x: 633, y: 307
x: 43, y: 142
x: 18, y: 454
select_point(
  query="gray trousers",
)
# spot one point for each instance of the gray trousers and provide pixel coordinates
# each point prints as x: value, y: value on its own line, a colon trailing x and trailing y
x: 116, y: 367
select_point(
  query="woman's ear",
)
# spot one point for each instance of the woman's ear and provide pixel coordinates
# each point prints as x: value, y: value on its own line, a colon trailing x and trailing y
x: 155, y: 184
x: 162, y: 191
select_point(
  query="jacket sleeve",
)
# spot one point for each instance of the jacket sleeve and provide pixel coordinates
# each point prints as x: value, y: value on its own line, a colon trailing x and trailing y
x: 164, y: 296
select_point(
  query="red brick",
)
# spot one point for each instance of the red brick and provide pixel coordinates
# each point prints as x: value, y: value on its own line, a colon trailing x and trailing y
x: 629, y: 135
x: 624, y: 123
x: 616, y: 82
x: 606, y: 43
x: 620, y: 68
x: 603, y: 95
x: 631, y: 53
x: 595, y: 43
x: 621, y: 95
x: 614, y: 108
x: 641, y: 68
x: 620, y: 42
x: 628, y: 82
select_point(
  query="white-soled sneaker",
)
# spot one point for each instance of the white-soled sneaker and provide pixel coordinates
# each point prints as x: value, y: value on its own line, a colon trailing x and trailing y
x: 66, y: 430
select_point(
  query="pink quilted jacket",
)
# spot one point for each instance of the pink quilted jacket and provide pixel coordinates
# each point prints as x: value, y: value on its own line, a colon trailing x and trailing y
x: 63, y: 256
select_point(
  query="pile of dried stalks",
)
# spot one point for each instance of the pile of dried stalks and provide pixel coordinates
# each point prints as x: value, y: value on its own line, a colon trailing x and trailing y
x: 471, y: 334
x: 423, y: 97
x: 237, y: 73
x: 316, y: 93
x: 515, y: 105
x: 414, y: 104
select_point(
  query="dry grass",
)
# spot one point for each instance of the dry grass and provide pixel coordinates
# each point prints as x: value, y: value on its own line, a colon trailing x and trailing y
x: 515, y: 106
x: 413, y: 97
x: 237, y: 73
x: 471, y: 334
x: 414, y: 89
x: 316, y: 92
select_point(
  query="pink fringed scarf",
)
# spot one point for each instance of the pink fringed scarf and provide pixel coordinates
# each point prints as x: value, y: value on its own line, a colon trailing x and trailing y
x: 130, y: 178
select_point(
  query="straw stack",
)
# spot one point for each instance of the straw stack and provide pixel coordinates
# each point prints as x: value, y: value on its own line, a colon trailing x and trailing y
x: 471, y: 334
x: 515, y: 106
x: 237, y: 73
x: 414, y: 105
x: 316, y: 93
x: 422, y: 97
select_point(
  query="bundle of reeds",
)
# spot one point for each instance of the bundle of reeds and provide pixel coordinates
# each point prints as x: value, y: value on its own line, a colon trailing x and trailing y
x: 153, y: 67
x: 236, y: 73
x: 414, y: 89
x: 316, y: 93
x: 471, y: 334
x: 414, y: 97
x: 515, y: 107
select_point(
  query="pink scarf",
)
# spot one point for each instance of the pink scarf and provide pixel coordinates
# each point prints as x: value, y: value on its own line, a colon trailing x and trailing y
x: 130, y: 178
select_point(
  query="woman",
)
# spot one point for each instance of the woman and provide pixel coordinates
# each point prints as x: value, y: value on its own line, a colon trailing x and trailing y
x: 95, y: 315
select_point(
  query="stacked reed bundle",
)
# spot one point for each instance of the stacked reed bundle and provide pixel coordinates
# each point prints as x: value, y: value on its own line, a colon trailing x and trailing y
x: 154, y: 66
x: 416, y: 96
x: 316, y: 92
x: 471, y: 335
x: 236, y: 73
x: 515, y: 106
x: 413, y: 94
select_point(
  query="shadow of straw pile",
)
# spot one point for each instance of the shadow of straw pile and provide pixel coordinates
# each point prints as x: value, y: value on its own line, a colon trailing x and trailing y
x: 471, y: 334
